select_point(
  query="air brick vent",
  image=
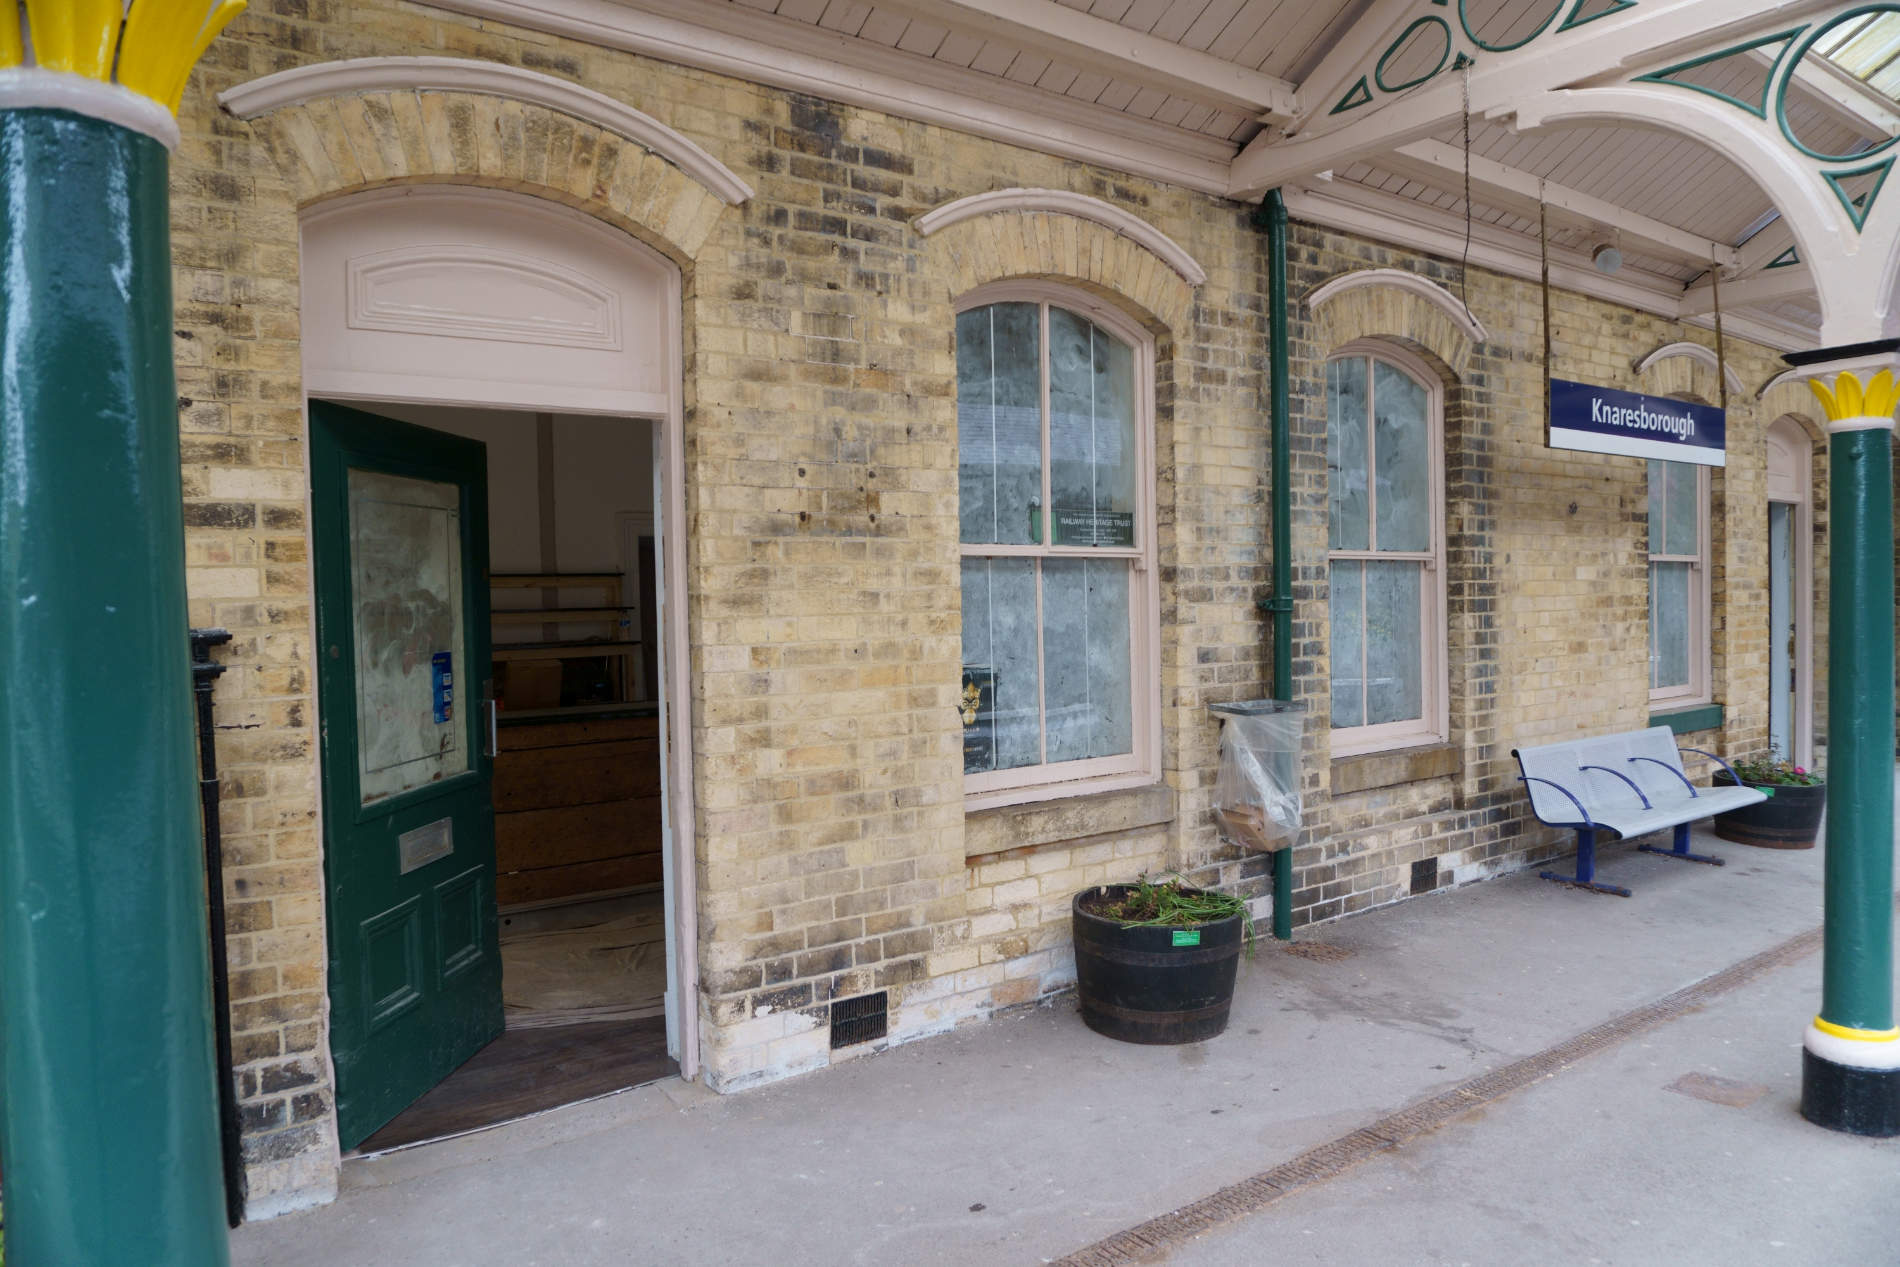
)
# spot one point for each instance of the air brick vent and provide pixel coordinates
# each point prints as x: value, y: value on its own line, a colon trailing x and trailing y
x: 860, y: 1020
x: 1424, y: 875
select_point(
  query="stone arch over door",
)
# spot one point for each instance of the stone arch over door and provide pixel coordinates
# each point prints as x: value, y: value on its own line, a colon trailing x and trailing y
x: 342, y: 128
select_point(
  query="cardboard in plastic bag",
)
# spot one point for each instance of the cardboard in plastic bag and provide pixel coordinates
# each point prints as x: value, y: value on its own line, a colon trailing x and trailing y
x: 1257, y: 796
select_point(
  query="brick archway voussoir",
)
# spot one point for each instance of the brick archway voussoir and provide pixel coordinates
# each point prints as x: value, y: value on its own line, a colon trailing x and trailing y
x: 333, y: 146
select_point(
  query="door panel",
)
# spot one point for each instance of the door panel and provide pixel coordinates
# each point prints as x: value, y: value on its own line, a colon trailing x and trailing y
x: 1782, y: 688
x: 400, y: 527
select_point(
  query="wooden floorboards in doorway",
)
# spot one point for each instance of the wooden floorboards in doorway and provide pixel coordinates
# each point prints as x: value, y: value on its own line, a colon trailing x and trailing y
x: 528, y: 1070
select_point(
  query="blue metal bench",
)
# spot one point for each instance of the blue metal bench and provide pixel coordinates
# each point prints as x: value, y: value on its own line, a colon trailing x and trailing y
x: 1632, y: 784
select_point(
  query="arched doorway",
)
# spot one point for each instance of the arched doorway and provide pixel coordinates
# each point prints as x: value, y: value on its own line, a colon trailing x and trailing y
x: 493, y: 383
x: 1790, y: 591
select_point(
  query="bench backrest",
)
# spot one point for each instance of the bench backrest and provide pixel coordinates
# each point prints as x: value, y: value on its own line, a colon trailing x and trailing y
x: 1584, y: 768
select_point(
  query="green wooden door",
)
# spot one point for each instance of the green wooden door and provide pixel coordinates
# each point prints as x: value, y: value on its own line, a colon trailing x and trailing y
x: 400, y: 525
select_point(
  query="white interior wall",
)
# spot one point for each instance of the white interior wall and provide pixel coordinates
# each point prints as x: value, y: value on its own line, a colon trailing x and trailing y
x: 602, y: 467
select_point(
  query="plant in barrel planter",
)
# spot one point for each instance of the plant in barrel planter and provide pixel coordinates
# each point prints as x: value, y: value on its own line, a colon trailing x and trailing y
x: 1155, y: 962
x: 1791, y: 816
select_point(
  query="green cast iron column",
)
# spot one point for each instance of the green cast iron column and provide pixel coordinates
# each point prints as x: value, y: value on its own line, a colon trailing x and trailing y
x: 108, y: 1122
x: 1857, y: 969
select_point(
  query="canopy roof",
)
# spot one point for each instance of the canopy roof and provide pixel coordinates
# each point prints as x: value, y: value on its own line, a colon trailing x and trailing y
x: 1357, y: 109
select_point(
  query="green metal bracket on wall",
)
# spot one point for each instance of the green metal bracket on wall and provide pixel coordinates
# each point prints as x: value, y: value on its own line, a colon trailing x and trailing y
x: 1281, y: 604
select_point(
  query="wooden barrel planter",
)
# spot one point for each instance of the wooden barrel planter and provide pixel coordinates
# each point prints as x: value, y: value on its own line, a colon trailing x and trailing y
x: 1153, y: 983
x: 1789, y: 819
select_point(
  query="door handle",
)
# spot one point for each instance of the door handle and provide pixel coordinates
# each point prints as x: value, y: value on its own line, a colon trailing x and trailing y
x: 490, y: 723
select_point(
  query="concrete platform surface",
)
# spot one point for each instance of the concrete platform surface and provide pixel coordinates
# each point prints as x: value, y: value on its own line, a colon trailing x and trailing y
x: 1028, y: 1137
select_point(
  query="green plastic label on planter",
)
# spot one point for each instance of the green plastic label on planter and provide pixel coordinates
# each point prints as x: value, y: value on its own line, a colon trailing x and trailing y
x: 1187, y: 936
x: 1767, y: 791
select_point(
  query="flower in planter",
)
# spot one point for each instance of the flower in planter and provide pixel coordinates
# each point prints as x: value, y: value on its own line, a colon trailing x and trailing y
x: 1774, y: 770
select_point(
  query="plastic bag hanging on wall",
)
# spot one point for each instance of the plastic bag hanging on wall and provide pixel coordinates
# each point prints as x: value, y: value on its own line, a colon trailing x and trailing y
x: 1257, y: 795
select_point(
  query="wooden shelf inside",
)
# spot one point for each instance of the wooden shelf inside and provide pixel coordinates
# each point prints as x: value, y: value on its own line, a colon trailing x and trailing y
x: 506, y: 651
x: 553, y: 615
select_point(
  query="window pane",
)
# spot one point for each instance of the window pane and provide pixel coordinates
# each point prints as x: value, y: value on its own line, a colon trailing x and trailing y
x: 1680, y: 522
x: 1348, y: 621
x: 999, y: 662
x: 1669, y: 624
x: 1088, y: 703
x: 1401, y: 443
x: 1093, y: 459
x: 999, y: 423
x: 1347, y: 528
x: 1395, y: 680
x: 1657, y: 481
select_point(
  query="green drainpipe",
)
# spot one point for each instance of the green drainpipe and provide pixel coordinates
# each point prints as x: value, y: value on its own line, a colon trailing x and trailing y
x: 1280, y: 605
x: 109, y: 1117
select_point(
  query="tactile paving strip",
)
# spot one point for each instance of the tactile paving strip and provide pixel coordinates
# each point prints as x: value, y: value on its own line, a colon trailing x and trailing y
x: 1144, y: 1241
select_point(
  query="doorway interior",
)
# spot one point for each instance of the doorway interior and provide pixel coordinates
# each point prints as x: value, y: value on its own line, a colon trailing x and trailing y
x: 1790, y: 592
x: 579, y: 818
x: 554, y: 341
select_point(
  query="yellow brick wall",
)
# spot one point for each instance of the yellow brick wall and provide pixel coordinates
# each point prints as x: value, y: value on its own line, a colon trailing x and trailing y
x: 834, y: 854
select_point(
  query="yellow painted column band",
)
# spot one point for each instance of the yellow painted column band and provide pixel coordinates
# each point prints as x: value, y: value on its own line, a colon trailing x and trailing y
x: 1857, y: 1035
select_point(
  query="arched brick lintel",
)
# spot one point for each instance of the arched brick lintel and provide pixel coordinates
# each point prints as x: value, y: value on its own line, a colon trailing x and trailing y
x: 333, y: 146
x: 1391, y: 304
x: 1009, y: 245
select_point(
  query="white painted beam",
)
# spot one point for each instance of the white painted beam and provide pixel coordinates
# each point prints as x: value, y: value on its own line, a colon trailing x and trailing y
x: 1351, y: 56
x: 1844, y: 97
x: 1345, y: 207
x: 1513, y: 189
x: 1649, y: 34
x: 763, y: 48
x: 1765, y: 247
x: 1079, y: 39
x: 1793, y: 282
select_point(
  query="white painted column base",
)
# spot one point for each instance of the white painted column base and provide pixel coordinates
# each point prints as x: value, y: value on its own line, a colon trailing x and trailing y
x: 1852, y: 1053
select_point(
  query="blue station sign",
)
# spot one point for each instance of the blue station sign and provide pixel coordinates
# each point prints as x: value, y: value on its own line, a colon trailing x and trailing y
x: 1629, y: 424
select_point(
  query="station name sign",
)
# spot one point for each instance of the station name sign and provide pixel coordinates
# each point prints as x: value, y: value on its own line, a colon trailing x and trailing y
x: 1629, y: 424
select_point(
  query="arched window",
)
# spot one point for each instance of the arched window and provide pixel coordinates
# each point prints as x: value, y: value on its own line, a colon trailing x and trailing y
x: 1055, y: 483
x: 1385, y: 549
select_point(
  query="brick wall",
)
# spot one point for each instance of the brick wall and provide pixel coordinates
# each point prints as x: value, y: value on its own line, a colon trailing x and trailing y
x: 834, y: 853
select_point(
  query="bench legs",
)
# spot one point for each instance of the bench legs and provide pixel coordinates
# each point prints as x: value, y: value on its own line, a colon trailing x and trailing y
x: 1681, y: 849
x: 1587, y: 867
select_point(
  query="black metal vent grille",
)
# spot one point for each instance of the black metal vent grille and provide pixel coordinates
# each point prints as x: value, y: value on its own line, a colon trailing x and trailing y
x: 860, y: 1020
x: 1424, y: 875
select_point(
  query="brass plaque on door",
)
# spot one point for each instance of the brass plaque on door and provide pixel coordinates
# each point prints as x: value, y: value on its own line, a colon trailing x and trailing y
x: 422, y: 845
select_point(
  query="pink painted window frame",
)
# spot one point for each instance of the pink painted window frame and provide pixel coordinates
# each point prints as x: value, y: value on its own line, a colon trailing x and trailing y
x: 1141, y: 766
x: 1699, y: 689
x: 1433, y: 725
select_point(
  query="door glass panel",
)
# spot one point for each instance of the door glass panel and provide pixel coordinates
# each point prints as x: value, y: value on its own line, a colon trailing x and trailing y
x: 406, y: 592
x: 1781, y: 628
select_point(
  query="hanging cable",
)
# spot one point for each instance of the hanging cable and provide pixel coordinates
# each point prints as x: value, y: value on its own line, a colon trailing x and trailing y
x: 1721, y: 361
x: 1543, y: 256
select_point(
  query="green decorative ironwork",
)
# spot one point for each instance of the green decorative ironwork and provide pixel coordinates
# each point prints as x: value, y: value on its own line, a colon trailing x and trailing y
x: 1757, y: 108
x: 1787, y: 259
x: 1444, y: 55
x: 1356, y: 96
x: 1465, y: 21
x: 1577, y: 17
x: 1858, y: 205
x: 1781, y: 100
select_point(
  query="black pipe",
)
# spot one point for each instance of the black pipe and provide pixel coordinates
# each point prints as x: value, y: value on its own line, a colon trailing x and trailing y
x: 204, y: 676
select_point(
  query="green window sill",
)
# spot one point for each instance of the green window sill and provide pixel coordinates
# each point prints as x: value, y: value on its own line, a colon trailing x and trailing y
x: 1688, y: 720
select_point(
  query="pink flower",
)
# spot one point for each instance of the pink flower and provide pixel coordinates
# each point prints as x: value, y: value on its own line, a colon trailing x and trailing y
x: 1799, y: 770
